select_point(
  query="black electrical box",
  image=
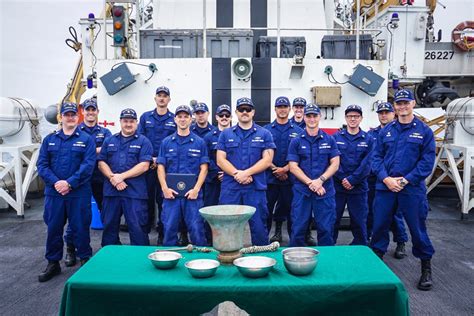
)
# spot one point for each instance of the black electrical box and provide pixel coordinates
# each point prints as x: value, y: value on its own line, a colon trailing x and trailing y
x: 117, y: 79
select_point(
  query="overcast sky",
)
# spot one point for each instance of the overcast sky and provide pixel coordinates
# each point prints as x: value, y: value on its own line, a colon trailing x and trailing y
x: 35, y: 63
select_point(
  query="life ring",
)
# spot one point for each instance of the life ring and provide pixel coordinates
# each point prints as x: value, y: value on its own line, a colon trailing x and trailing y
x: 464, y: 43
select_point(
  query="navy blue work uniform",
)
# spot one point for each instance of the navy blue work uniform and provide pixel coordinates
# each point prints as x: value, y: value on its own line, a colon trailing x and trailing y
x: 244, y: 148
x: 313, y: 155
x: 301, y: 124
x: 202, y: 132
x: 356, y: 154
x: 212, y: 186
x: 398, y: 224
x: 71, y: 158
x: 155, y: 127
x: 279, y: 193
x: 185, y: 155
x: 403, y: 150
x: 98, y: 134
x: 122, y: 154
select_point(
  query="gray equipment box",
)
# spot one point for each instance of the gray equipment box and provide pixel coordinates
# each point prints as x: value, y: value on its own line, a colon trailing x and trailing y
x: 169, y: 43
x: 117, y: 79
x: 228, y: 43
x: 189, y: 43
x: 366, y: 80
x: 289, y: 46
x: 344, y: 47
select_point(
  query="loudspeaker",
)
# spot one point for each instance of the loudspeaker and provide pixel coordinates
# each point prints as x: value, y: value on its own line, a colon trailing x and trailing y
x: 242, y: 68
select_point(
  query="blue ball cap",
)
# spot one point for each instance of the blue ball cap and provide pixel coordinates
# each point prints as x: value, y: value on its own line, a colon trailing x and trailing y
x: 163, y: 89
x: 128, y: 113
x: 223, y: 107
x: 312, y: 108
x: 384, y: 106
x: 353, y: 108
x: 403, y: 95
x: 183, y: 108
x: 201, y: 107
x: 282, y: 101
x: 92, y: 102
x: 245, y: 101
x: 68, y: 107
x: 299, y: 101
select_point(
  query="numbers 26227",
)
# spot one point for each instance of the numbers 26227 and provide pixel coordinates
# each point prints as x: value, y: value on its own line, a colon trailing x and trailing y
x: 445, y: 54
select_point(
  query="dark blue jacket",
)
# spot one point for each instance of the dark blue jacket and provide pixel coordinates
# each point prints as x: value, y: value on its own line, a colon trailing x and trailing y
x: 156, y: 128
x: 372, y: 179
x: 313, y: 158
x: 243, y: 153
x: 71, y: 158
x: 211, y: 140
x: 301, y: 124
x: 405, y: 151
x: 98, y: 134
x: 122, y: 154
x: 202, y: 132
x: 356, y: 157
x: 282, y: 139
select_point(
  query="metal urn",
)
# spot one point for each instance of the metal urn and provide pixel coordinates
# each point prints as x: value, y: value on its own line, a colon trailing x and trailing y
x: 227, y: 223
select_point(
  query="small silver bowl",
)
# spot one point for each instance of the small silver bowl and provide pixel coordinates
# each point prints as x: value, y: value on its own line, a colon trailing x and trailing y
x: 202, y: 268
x: 254, y: 266
x: 300, y: 260
x: 164, y: 259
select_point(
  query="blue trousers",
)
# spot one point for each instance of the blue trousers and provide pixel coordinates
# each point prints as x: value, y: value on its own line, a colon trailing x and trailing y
x: 258, y: 222
x: 279, y: 199
x: 136, y: 215
x: 155, y: 196
x: 324, y: 213
x: 357, y: 206
x: 414, y: 209
x: 212, y: 190
x: 398, y: 224
x: 76, y: 211
x: 98, y: 194
x: 174, y: 211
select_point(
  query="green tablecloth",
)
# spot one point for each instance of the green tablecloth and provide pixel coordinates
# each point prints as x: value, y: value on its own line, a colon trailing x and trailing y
x: 120, y: 280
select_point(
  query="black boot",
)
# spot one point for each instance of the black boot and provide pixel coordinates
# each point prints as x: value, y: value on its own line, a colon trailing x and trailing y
x: 309, y: 239
x: 425, y: 283
x: 70, y: 259
x: 277, y: 235
x: 183, y: 240
x: 53, y: 268
x: 84, y: 261
x: 400, y: 251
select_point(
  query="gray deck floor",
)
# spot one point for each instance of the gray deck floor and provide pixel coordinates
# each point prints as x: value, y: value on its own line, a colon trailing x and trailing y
x: 22, y: 249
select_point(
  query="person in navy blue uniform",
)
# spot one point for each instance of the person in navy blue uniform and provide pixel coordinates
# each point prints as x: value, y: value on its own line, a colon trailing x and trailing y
x: 185, y: 153
x: 404, y: 157
x: 90, y: 112
x: 350, y: 180
x: 313, y: 159
x: 386, y: 114
x: 279, y: 194
x: 156, y: 125
x: 124, y: 159
x: 201, y: 127
x: 212, y: 186
x: 244, y: 152
x: 66, y: 161
x: 298, y: 112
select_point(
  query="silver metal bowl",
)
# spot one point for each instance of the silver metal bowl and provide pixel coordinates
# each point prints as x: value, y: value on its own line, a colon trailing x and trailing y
x: 202, y: 268
x: 254, y: 266
x: 164, y: 259
x: 300, y: 260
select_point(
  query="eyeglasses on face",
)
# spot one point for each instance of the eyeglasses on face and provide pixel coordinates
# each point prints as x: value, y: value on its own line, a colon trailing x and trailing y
x: 353, y: 117
x: 224, y: 115
x: 244, y: 109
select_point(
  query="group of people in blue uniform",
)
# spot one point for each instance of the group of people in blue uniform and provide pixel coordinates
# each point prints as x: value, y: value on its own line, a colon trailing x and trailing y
x: 289, y: 170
